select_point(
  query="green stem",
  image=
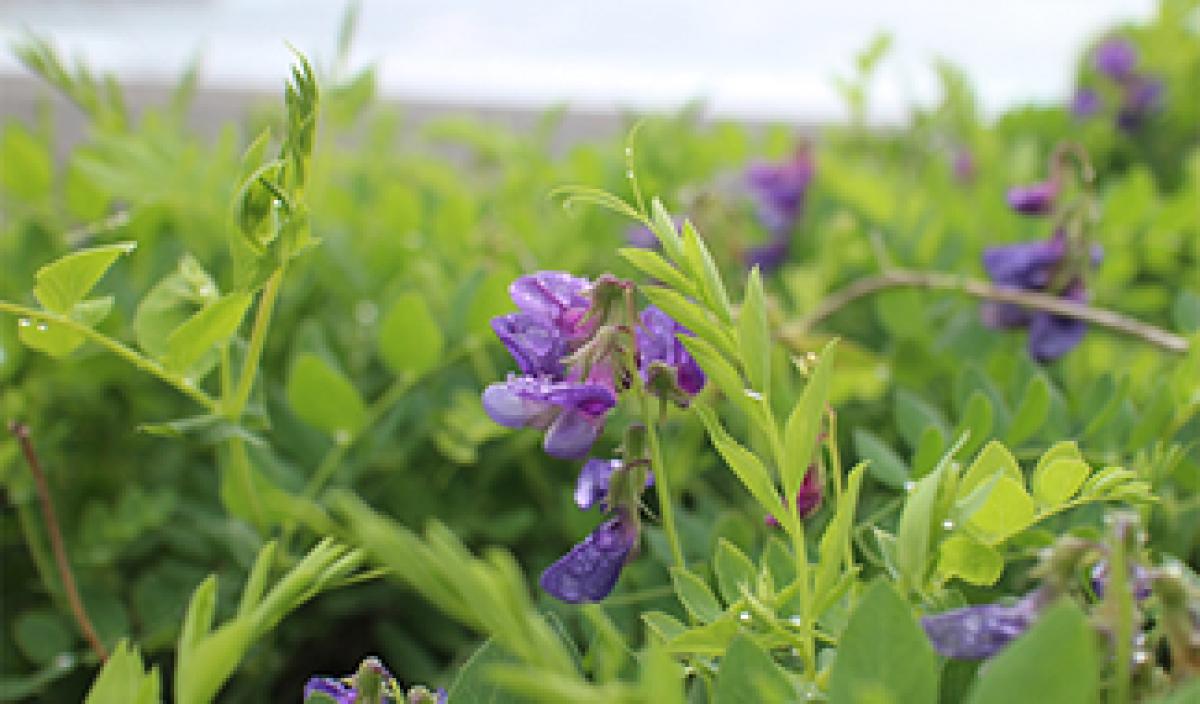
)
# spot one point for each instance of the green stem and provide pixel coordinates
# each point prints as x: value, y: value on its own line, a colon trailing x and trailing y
x: 258, y: 338
x: 808, y: 648
x: 239, y: 460
x: 661, y: 476
x: 126, y: 353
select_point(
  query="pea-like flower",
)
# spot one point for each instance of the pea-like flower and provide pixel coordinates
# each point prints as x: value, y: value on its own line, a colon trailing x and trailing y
x: 1141, y: 580
x: 572, y: 413
x: 1115, y: 57
x: 371, y: 683
x: 1034, y: 199
x: 590, y: 570
x: 658, y: 347
x: 1140, y: 97
x: 554, y: 297
x: 1085, y: 103
x: 1035, y: 266
x: 778, y: 190
x: 978, y: 632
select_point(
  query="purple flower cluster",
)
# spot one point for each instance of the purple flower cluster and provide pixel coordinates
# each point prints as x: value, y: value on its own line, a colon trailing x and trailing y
x: 578, y: 345
x: 553, y: 321
x: 1115, y: 59
x: 778, y: 191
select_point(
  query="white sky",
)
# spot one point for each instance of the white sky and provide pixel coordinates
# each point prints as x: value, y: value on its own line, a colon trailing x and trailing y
x: 752, y: 58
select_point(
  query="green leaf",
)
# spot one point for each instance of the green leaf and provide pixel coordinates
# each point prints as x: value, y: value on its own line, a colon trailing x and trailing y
x: 754, y: 335
x: 665, y: 626
x: 197, y: 622
x: 748, y: 468
x: 124, y: 680
x: 320, y: 396
x: 913, y: 533
x: 42, y: 635
x: 913, y: 415
x: 1055, y: 661
x: 28, y: 171
x: 883, y: 655
x: 695, y: 595
x: 995, y: 457
x: 171, y: 302
x: 410, y: 340
x: 653, y: 265
x: 749, y: 676
x: 734, y: 570
x: 256, y: 581
x: 1055, y: 483
x: 711, y: 639
x: 58, y: 340
x: 977, y: 419
x: 885, y: 465
x: 1064, y: 449
x: 930, y: 448
x: 805, y: 422
x: 970, y: 560
x: 692, y: 317
x: 1008, y: 510
x: 64, y: 282
x: 717, y: 369
x: 712, y: 289
x: 473, y: 683
x: 211, y: 326
x: 836, y: 539
x: 663, y: 227
x: 1031, y: 413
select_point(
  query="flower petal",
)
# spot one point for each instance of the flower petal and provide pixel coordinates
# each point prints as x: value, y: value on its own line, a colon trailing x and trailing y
x: 534, y: 342
x: 571, y: 435
x: 592, y: 486
x: 977, y: 632
x: 590, y: 570
x: 549, y: 294
x: 333, y: 687
x: 516, y: 403
x: 1035, y: 199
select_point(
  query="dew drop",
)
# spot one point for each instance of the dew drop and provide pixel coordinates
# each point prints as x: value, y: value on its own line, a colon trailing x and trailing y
x: 947, y: 524
x: 64, y: 661
x: 277, y: 203
x: 628, y: 151
x: 910, y: 485
x: 795, y: 652
x: 1141, y: 657
x: 754, y: 394
x: 342, y: 436
x: 189, y: 382
x: 795, y: 620
x: 744, y: 617
x: 629, y: 174
x: 24, y: 322
x: 42, y: 327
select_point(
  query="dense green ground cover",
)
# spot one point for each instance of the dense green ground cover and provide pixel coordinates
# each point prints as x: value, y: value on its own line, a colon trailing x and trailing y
x: 260, y: 358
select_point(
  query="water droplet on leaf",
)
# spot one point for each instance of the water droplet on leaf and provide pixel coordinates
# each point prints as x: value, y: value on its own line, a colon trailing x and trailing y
x: 342, y: 437
x: 24, y: 322
x: 744, y: 617
x: 910, y: 485
x: 948, y: 524
x: 42, y: 327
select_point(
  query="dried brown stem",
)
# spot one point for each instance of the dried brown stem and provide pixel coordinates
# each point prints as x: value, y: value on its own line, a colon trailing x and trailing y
x: 1026, y: 299
x: 21, y: 431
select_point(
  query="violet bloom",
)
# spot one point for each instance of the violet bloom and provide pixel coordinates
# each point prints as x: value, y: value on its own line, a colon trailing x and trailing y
x: 590, y: 570
x: 1034, y: 199
x: 978, y: 632
x: 657, y: 342
x: 1032, y: 266
x: 592, y: 486
x: 1085, y: 104
x: 1115, y: 58
x: 556, y: 298
x: 572, y: 413
x: 534, y: 341
x: 808, y: 496
x: 778, y: 190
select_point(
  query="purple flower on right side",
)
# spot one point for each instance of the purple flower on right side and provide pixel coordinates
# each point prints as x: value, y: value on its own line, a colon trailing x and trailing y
x: 1036, y: 266
x: 981, y: 631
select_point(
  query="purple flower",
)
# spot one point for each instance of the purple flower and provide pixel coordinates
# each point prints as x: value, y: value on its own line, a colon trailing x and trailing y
x: 657, y: 341
x: 1086, y: 103
x: 555, y: 297
x: 778, y: 190
x: 1142, y: 580
x: 571, y: 412
x: 1115, y: 58
x: 338, y: 690
x: 1032, y: 266
x: 977, y: 632
x: 536, y: 344
x: 1034, y: 199
x: 808, y: 496
x: 592, y: 486
x: 590, y: 570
